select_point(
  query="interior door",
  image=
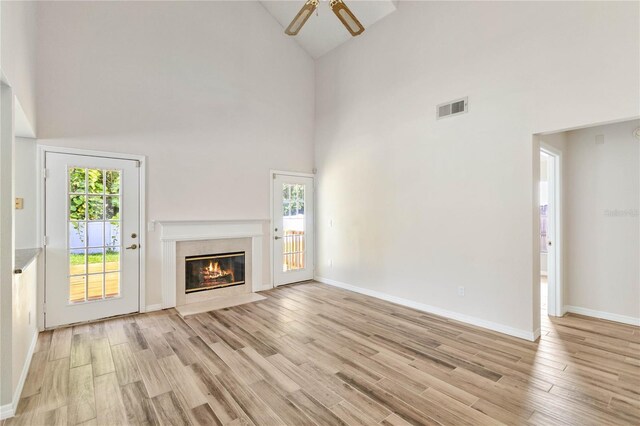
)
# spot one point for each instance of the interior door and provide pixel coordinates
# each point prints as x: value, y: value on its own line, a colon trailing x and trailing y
x: 292, y: 229
x: 552, y: 266
x: 92, y: 210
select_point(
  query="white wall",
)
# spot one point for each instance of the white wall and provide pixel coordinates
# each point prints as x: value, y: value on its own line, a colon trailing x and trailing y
x: 7, y: 155
x: 212, y: 92
x: 26, y: 179
x: 24, y: 323
x: 420, y: 206
x: 18, y: 53
x: 17, y: 65
x: 602, y: 226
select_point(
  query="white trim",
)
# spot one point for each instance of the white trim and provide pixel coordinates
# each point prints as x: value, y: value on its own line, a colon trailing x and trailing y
x: 173, y: 231
x: 40, y: 219
x: 142, y: 232
x: 478, y: 322
x: 151, y: 308
x: 142, y: 225
x: 91, y: 153
x: 602, y: 315
x: 586, y: 126
x: 285, y: 173
x: 9, y: 410
x: 272, y: 177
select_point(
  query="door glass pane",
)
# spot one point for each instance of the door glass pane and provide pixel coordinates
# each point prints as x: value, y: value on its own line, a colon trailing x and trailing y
x: 293, y: 227
x: 77, y: 207
x: 94, y: 286
x: 112, y: 207
x: 95, y: 234
x: 95, y: 260
x: 95, y: 207
x: 112, y: 233
x: 77, y: 288
x: 112, y: 182
x: 94, y: 196
x: 77, y: 234
x: 77, y: 179
x: 112, y: 284
x: 78, y: 262
x: 112, y: 259
x: 95, y: 181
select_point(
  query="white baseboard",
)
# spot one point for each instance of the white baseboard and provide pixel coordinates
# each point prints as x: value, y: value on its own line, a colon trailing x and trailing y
x: 536, y: 334
x: 151, y: 308
x: 6, y: 411
x: 500, y: 328
x: 602, y: 315
x: 9, y: 410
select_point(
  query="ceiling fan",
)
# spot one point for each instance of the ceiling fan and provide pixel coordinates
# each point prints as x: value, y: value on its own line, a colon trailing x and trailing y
x: 341, y: 10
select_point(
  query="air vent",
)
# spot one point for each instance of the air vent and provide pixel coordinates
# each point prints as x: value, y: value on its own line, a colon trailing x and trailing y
x: 459, y: 106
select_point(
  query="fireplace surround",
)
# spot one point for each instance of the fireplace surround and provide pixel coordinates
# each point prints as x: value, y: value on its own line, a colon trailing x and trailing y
x: 220, y: 284
x: 180, y: 239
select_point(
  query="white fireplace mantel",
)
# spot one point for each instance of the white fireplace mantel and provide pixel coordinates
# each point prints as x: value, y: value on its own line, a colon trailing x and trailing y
x: 174, y: 231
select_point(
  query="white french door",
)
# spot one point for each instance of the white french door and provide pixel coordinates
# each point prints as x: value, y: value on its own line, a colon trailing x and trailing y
x: 292, y: 229
x: 92, y: 210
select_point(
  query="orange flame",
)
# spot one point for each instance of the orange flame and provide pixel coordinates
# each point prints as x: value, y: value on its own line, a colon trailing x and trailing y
x: 215, y: 269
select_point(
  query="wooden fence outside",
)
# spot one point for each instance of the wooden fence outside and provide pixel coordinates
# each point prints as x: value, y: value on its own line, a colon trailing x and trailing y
x: 293, y: 248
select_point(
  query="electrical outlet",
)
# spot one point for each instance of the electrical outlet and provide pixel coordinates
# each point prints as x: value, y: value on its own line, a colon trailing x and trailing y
x: 330, y: 223
x: 461, y: 291
x: 330, y: 263
x: 151, y: 226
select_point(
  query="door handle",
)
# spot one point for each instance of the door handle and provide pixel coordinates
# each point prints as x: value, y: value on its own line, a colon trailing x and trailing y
x: 276, y: 237
x: 132, y: 247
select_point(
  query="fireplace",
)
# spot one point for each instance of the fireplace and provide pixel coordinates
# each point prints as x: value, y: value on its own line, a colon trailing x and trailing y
x: 208, y: 272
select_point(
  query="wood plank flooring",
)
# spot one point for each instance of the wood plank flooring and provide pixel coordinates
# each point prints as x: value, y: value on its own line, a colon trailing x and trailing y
x: 311, y: 354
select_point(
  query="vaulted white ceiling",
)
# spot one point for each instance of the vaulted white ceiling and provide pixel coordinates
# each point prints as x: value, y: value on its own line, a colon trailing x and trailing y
x: 323, y: 31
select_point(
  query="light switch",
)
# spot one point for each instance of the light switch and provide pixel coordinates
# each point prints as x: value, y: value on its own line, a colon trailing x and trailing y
x: 19, y: 203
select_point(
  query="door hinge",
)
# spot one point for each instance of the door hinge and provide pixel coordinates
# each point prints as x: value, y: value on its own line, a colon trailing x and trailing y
x: 44, y: 308
x: 45, y: 173
x: 138, y: 163
x: 45, y: 240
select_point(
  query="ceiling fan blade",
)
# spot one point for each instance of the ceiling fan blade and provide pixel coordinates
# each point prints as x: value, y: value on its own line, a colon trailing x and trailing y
x: 302, y: 16
x: 347, y: 17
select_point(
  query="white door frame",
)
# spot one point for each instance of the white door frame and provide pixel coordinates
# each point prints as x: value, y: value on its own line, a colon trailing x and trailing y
x: 42, y: 150
x: 555, y: 302
x: 272, y: 174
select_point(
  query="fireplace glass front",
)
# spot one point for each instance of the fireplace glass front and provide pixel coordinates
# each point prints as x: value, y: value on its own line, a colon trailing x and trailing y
x: 214, y: 271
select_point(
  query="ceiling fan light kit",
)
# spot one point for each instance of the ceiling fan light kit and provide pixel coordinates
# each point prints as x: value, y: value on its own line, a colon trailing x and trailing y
x: 338, y: 7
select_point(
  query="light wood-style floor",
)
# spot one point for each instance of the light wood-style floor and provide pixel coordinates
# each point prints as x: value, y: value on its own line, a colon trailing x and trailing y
x: 312, y: 354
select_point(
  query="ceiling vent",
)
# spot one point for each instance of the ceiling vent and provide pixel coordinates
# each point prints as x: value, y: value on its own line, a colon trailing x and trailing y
x: 459, y: 106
